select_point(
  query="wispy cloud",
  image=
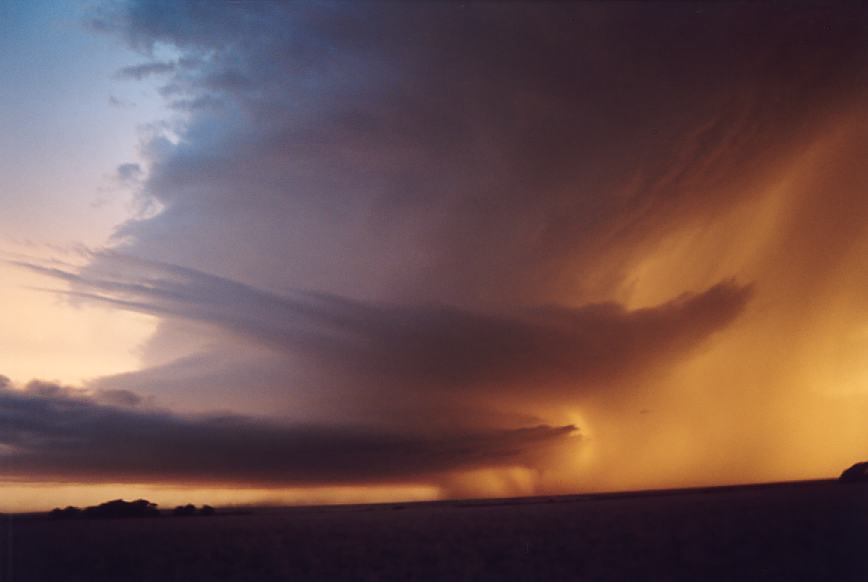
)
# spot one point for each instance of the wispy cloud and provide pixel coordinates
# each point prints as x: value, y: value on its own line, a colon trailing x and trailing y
x: 143, y: 70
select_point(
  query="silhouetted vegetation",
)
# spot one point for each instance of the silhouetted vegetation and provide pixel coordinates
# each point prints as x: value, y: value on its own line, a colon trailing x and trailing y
x: 184, y: 510
x: 858, y: 473
x: 190, y: 509
x: 66, y: 512
x: 121, y: 508
x: 114, y: 508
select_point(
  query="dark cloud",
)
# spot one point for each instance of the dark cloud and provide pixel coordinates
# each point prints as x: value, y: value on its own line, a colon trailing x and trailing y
x: 118, y: 397
x: 472, y: 155
x: 199, y: 103
x: 129, y: 174
x: 49, y: 434
x: 120, y: 103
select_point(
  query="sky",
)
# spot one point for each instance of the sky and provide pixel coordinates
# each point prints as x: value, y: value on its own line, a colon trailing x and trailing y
x: 347, y: 252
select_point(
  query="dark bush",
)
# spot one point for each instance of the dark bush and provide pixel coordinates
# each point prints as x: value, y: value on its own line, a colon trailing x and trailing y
x: 121, y: 508
x: 184, y: 510
x: 66, y: 512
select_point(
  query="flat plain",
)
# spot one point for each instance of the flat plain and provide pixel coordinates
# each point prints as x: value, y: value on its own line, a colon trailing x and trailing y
x: 815, y: 530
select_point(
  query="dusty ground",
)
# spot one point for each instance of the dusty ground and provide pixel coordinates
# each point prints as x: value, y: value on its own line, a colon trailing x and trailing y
x: 810, y: 531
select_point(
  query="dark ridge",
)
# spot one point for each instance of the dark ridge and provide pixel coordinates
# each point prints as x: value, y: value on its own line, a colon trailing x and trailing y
x: 858, y: 473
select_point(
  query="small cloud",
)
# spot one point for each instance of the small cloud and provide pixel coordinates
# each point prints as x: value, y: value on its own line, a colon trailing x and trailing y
x: 139, y: 72
x: 117, y: 398
x: 227, y: 80
x: 43, y: 389
x: 129, y: 173
x: 120, y: 103
x: 199, y: 103
x: 100, y: 202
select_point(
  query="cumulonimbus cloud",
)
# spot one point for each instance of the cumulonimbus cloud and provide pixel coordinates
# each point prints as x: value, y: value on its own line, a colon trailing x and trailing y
x: 364, y: 155
x: 411, y: 216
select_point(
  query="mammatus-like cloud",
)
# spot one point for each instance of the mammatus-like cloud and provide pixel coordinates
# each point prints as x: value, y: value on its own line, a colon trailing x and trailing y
x: 53, y: 433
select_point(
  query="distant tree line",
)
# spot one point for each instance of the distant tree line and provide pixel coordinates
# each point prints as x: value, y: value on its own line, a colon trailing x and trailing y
x: 190, y: 509
x: 121, y: 508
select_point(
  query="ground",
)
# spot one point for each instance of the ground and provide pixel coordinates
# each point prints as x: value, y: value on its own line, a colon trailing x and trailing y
x: 801, y: 531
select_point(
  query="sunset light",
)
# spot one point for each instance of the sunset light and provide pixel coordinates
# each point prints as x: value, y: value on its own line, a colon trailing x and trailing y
x: 261, y: 254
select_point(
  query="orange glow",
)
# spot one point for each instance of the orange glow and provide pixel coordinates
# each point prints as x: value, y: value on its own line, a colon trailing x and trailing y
x: 782, y: 393
x: 47, y: 338
x: 45, y: 496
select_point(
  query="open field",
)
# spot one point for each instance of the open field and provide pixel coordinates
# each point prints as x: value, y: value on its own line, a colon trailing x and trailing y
x: 798, y: 531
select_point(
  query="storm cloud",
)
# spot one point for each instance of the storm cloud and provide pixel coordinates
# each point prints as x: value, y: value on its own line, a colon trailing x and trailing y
x: 396, y: 241
x: 55, y: 435
x: 471, y: 155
